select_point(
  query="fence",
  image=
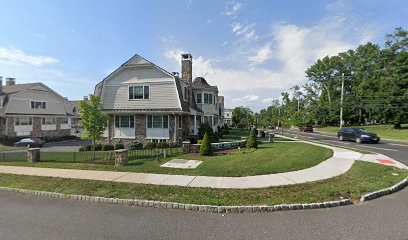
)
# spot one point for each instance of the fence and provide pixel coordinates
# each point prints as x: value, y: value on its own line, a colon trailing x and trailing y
x: 98, y: 157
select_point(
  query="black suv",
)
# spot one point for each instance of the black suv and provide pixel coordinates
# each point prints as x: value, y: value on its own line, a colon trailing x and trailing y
x: 359, y: 135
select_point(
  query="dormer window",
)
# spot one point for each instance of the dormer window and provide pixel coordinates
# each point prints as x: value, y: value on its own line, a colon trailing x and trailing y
x: 199, y: 98
x: 139, y: 92
x: 38, y: 105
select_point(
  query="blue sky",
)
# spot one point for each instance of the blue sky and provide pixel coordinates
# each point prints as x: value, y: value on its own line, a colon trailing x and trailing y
x: 252, y: 50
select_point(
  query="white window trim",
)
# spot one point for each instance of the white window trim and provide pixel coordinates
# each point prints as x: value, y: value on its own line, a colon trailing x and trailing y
x: 143, y: 99
x: 134, y: 121
x: 147, y: 121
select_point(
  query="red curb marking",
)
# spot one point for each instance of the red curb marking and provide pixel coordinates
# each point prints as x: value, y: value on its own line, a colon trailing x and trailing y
x: 385, y: 161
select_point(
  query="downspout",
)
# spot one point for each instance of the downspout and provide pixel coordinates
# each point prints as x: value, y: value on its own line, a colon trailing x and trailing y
x: 175, y: 129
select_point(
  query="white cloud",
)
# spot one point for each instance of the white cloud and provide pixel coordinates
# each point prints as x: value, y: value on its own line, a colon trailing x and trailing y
x: 268, y: 100
x: 245, y: 31
x: 263, y: 54
x: 14, y: 55
x: 232, y: 8
x: 247, y: 98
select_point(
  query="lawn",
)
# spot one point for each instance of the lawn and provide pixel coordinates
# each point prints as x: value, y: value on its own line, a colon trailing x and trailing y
x: 267, y: 159
x: 362, y: 178
x: 7, y: 148
x: 384, y: 131
x: 235, y: 134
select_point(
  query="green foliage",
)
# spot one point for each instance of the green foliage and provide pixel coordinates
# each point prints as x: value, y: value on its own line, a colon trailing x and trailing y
x: 205, y: 148
x: 108, y: 147
x: 93, y: 118
x: 135, y: 145
x: 242, y: 117
x: 151, y: 145
x: 119, y: 146
x: 251, y: 142
x: 162, y: 145
x: 206, y: 128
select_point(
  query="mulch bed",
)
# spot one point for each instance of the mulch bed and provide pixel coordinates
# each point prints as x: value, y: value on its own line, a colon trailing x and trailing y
x: 223, y: 152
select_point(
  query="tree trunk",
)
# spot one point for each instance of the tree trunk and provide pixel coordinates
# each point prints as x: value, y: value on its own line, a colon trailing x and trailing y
x: 397, y: 125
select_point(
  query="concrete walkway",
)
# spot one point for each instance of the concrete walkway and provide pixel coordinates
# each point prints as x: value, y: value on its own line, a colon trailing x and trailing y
x: 340, y: 163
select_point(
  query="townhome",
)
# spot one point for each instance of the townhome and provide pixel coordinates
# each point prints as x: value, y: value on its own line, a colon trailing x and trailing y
x: 33, y: 110
x: 146, y: 103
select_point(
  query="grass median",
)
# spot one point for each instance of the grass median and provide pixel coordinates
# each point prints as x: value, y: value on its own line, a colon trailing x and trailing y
x: 362, y: 178
x: 267, y: 159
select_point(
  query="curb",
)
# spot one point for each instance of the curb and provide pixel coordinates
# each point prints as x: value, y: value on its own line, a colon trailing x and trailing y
x: 182, y: 206
x: 385, y: 191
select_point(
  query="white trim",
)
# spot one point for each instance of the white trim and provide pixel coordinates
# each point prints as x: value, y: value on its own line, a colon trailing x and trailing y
x: 139, y: 85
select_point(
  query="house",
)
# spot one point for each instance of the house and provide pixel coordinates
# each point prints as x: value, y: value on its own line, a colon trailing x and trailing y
x: 209, y: 102
x: 146, y: 103
x: 33, y: 110
x: 228, y: 116
x: 76, y: 127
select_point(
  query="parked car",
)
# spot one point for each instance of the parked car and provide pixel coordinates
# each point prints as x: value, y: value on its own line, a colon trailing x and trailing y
x: 30, y: 142
x: 271, y: 127
x: 307, y: 128
x: 359, y: 135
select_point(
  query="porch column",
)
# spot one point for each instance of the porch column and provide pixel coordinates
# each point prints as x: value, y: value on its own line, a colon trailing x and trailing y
x: 195, y: 125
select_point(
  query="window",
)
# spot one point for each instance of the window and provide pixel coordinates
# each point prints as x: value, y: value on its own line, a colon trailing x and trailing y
x: 48, y: 121
x: 185, y: 93
x: 154, y: 140
x: 124, y: 121
x: 206, y: 98
x: 157, y: 121
x: 199, y: 96
x: 208, y: 119
x: 38, y: 105
x: 139, y: 92
x: 21, y: 121
x: 64, y: 121
x: 180, y: 121
x: 210, y: 99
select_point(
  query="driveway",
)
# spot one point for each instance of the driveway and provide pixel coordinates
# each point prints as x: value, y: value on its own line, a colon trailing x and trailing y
x: 65, y: 146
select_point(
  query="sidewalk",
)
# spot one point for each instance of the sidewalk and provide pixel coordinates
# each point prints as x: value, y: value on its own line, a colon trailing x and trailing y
x: 340, y: 163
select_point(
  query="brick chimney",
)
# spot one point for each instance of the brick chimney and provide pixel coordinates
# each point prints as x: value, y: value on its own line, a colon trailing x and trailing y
x: 10, y: 81
x: 187, y: 74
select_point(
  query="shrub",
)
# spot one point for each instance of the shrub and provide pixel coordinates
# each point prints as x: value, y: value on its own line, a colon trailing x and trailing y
x: 193, y: 141
x: 205, y: 148
x: 119, y: 146
x: 150, y: 145
x: 135, y: 145
x: 82, y: 149
x: 251, y: 142
x: 162, y: 145
x: 98, y: 147
x: 200, y: 141
x: 88, y: 147
x: 174, y: 145
x: 204, y: 128
x: 108, y: 147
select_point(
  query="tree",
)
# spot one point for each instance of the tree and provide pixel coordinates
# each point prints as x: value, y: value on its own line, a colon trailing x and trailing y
x: 251, y: 142
x: 205, y: 148
x: 93, y: 119
x: 242, y: 117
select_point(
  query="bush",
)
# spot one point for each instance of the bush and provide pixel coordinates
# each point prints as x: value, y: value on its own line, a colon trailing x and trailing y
x: 162, y: 145
x: 150, y: 145
x: 135, y: 145
x: 205, y: 148
x: 98, y: 147
x: 88, y: 147
x: 82, y: 149
x: 119, y: 146
x: 174, y: 145
x: 251, y: 142
x: 108, y: 147
x: 193, y: 141
x: 200, y: 141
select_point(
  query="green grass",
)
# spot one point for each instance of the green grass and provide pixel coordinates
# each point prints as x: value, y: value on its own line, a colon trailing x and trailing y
x: 8, y: 148
x: 384, y: 131
x: 267, y: 159
x: 236, y: 134
x: 362, y: 178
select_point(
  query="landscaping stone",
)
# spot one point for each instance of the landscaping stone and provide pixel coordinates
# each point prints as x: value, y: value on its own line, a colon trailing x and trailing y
x: 33, y: 155
x: 121, y: 157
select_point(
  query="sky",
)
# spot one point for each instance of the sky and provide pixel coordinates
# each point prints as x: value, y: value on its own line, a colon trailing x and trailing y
x: 252, y: 50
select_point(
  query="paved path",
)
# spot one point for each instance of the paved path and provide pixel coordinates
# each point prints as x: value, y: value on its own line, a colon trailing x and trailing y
x: 340, y: 163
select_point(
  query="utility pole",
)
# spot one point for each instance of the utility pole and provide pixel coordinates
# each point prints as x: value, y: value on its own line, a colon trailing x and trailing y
x: 341, y: 100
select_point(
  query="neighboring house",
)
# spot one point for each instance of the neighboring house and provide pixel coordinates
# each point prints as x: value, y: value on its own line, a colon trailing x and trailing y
x: 146, y: 103
x: 228, y: 116
x: 33, y: 110
x: 209, y: 102
x: 76, y: 127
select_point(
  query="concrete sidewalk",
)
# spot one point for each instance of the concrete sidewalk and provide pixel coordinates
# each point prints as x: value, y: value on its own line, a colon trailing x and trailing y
x: 340, y: 163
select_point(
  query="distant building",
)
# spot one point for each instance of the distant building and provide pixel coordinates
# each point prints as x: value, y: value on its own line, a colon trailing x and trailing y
x: 76, y: 127
x: 228, y: 116
x: 33, y: 110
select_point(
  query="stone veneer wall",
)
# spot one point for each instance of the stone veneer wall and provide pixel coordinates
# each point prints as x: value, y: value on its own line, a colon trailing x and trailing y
x: 37, y: 132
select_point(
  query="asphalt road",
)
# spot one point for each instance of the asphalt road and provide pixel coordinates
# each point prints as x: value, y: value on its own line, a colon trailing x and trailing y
x: 31, y: 217
x: 397, y: 150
